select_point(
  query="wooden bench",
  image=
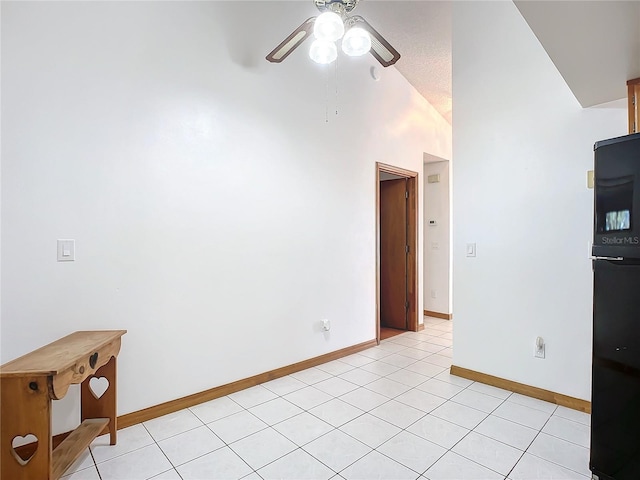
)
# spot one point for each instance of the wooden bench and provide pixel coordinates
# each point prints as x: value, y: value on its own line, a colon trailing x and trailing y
x: 29, y: 384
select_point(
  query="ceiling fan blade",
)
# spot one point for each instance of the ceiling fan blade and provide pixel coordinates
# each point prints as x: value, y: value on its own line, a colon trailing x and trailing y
x: 292, y: 42
x: 380, y: 48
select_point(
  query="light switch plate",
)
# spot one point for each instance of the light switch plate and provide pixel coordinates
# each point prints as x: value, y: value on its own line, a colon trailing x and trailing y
x: 471, y: 249
x: 66, y: 250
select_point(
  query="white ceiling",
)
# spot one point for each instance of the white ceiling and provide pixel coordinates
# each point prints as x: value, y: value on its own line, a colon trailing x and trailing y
x: 421, y: 32
x: 595, y: 44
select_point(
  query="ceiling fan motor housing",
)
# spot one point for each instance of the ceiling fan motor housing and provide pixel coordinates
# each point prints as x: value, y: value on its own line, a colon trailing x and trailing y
x: 340, y: 7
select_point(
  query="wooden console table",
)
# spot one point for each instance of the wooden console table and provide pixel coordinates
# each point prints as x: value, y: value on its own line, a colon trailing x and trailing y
x: 29, y: 384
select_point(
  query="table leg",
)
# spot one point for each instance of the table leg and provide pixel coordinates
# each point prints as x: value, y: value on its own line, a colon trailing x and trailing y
x: 26, y: 409
x: 104, y: 406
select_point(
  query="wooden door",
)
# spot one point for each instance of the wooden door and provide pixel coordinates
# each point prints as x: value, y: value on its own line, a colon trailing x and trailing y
x: 393, y: 254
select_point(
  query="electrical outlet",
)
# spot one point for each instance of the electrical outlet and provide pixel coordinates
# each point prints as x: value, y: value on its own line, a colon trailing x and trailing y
x: 433, y: 294
x: 538, y: 348
x: 326, y: 325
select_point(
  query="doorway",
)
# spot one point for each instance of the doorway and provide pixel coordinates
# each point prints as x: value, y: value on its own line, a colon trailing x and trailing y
x: 397, y: 255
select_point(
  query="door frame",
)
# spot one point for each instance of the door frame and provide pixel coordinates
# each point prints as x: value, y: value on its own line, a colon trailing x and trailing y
x: 412, y: 241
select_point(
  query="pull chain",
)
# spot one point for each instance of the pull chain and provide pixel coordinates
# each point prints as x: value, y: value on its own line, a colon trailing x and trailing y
x: 326, y: 98
x: 336, y: 86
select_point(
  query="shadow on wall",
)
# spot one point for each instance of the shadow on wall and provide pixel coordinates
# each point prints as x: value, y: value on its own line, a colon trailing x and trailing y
x: 252, y: 31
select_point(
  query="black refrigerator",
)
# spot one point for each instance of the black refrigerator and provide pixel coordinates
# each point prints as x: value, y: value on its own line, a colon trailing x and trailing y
x: 615, y: 395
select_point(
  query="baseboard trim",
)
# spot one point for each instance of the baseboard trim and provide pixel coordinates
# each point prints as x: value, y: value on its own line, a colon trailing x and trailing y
x: 420, y: 327
x: 445, y: 316
x: 165, y: 408
x: 528, y: 390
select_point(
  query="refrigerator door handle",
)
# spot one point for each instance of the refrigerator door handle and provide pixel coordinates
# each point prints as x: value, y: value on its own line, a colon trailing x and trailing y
x: 615, y: 259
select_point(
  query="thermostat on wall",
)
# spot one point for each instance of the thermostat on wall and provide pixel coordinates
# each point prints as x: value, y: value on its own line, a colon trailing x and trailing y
x: 433, y: 178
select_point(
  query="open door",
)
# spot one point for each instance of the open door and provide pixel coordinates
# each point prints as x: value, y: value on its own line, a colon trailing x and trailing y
x: 397, y: 240
x: 393, y: 254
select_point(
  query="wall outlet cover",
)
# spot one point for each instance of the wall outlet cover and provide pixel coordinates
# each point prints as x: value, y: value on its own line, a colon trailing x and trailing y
x: 539, y: 348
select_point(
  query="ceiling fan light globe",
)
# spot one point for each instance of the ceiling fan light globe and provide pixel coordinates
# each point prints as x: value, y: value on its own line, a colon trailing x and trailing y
x: 323, y: 51
x: 328, y: 26
x: 356, y: 42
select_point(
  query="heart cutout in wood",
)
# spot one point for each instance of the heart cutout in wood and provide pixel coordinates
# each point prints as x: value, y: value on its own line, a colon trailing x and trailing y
x: 98, y: 385
x: 93, y: 359
x: 24, y: 448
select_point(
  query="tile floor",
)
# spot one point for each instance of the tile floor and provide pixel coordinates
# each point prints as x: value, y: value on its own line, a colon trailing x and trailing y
x: 390, y: 412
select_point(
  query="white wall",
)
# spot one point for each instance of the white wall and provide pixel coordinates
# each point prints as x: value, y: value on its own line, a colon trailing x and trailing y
x: 217, y: 215
x: 437, y: 206
x: 522, y: 148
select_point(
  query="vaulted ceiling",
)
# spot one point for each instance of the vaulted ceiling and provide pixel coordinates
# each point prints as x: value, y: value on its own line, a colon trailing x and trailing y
x: 421, y: 32
x: 594, y: 44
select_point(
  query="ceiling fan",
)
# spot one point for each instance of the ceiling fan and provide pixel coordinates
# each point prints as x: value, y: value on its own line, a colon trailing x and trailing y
x: 334, y: 23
